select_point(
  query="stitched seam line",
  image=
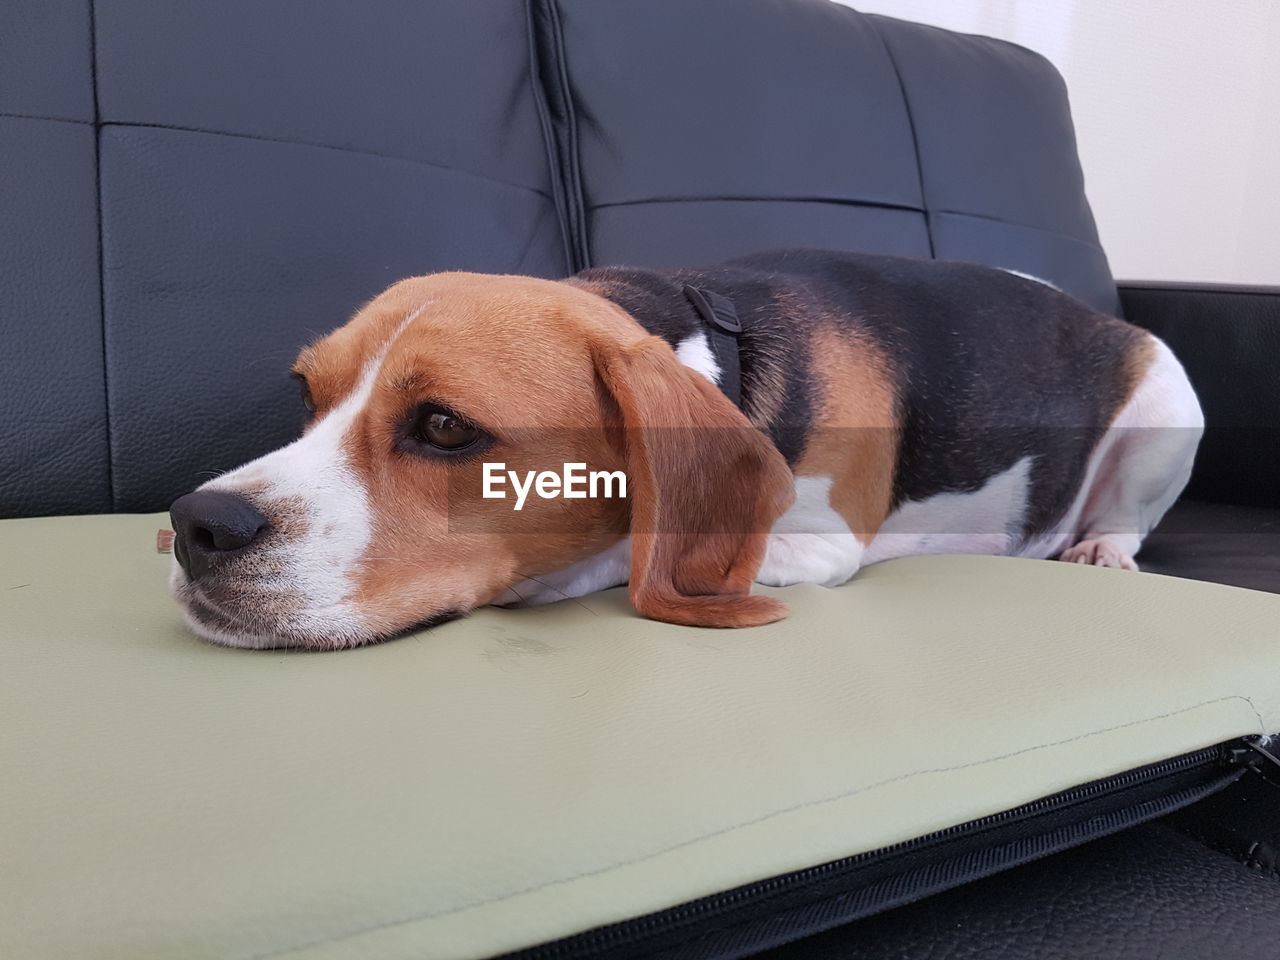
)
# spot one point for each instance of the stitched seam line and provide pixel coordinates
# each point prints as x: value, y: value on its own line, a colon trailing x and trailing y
x: 915, y: 139
x: 853, y: 202
x: 112, y: 500
x: 842, y: 201
x: 1020, y: 226
x: 11, y: 115
x: 749, y: 823
x: 326, y: 146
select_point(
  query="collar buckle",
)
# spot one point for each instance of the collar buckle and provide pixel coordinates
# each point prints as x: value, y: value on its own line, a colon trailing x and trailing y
x: 720, y: 317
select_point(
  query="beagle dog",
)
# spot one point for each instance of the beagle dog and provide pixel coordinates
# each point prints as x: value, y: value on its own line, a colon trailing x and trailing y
x: 781, y: 418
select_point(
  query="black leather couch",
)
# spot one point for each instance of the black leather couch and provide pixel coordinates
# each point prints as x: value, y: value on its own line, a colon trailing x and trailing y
x: 195, y: 191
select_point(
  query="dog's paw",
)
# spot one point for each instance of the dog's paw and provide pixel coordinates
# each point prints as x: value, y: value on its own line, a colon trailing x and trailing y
x: 1098, y: 553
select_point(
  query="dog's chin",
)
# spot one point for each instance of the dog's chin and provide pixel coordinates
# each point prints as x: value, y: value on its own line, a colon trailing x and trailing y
x: 249, y: 626
x: 219, y: 625
x: 252, y: 629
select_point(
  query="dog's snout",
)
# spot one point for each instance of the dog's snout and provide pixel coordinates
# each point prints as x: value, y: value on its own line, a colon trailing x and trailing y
x: 209, y: 524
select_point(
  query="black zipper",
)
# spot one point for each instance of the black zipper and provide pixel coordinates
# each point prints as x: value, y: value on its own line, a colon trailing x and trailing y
x: 766, y: 913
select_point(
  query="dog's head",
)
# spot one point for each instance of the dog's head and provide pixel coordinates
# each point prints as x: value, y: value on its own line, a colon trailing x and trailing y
x: 375, y: 520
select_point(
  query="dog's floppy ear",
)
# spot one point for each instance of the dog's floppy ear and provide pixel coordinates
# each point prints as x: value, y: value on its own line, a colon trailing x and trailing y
x: 705, y: 489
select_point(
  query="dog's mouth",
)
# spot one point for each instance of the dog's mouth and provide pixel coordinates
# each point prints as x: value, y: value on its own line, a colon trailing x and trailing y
x: 238, y: 625
x: 242, y: 620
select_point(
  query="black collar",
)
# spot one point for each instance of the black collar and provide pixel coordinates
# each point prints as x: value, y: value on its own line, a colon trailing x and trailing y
x: 723, y: 327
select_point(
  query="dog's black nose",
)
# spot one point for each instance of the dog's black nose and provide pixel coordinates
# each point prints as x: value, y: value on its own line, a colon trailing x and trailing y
x: 209, y: 524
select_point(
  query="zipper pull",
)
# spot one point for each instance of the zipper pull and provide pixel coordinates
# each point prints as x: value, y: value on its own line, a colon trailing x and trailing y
x: 1255, y: 756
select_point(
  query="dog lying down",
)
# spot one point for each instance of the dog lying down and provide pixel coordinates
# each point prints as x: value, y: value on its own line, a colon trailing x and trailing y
x: 782, y: 418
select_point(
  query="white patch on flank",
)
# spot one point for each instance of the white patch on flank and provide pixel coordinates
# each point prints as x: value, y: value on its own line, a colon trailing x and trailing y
x: 1138, y: 468
x: 811, y: 542
x: 695, y: 353
x: 609, y: 568
x: 1028, y: 276
x: 987, y: 521
x: 314, y: 473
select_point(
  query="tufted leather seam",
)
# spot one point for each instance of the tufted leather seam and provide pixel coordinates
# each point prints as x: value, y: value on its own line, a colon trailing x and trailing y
x: 325, y: 146
x: 1023, y: 226
x: 557, y: 112
x: 915, y: 139
x: 728, y: 198
x: 853, y: 202
x: 102, y: 288
x: 415, y: 918
x: 560, y: 190
x: 10, y: 115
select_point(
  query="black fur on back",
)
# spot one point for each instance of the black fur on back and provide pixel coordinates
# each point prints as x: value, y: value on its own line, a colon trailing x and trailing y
x: 988, y: 367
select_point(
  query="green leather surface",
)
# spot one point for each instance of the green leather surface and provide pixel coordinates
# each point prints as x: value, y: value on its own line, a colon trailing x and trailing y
x: 522, y: 775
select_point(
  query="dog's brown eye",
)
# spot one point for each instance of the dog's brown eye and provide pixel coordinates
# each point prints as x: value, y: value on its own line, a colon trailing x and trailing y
x: 445, y: 430
x: 307, y: 400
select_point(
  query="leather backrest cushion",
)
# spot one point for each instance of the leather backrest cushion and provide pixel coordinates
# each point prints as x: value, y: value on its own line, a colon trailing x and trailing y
x: 53, y: 447
x: 268, y: 168
x: 194, y: 194
x: 264, y: 170
x: 707, y: 130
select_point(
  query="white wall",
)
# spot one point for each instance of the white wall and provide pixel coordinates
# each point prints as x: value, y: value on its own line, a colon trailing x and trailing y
x: 1177, y: 112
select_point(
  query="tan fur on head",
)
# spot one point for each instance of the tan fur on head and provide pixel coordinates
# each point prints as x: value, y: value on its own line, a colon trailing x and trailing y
x: 385, y: 538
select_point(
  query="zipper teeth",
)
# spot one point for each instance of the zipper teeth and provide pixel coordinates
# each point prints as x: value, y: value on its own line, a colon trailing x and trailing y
x: 674, y: 915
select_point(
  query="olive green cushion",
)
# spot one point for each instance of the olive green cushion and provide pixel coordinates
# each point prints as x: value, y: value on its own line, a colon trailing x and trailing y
x: 526, y: 774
